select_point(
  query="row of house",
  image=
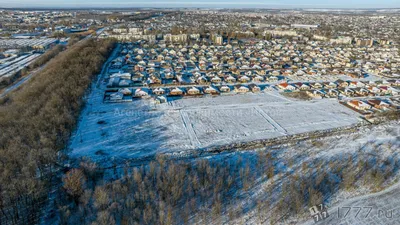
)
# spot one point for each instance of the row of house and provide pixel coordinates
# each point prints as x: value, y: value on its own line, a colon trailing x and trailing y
x: 371, y: 104
x: 179, y: 77
x: 313, y: 89
x: 344, y: 88
x: 143, y: 92
x: 274, y: 54
x: 196, y: 64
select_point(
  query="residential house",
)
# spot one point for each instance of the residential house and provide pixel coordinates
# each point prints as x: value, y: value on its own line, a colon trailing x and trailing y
x: 169, y: 75
x: 126, y: 76
x: 216, y: 79
x: 333, y: 93
x: 346, y: 92
x: 193, y: 91
x: 244, y: 79
x: 385, y: 90
x: 287, y: 73
x: 210, y: 90
x: 154, y: 80
x: 342, y: 83
x: 316, y: 85
x: 224, y: 89
x: 125, y: 91
x: 254, y: 88
x: 241, y: 89
x: 273, y: 79
x: 374, y: 90
x: 230, y: 79
x: 158, y: 91
x: 141, y: 93
x: 361, y: 91
x: 302, y: 86
x: 300, y: 73
x: 360, y: 105
x: 124, y: 83
x: 330, y: 85
x: 202, y: 80
x: 176, y: 91
x: 275, y: 73
x: 315, y: 93
x: 261, y: 72
x: 116, y: 96
x: 394, y: 91
x: 258, y: 78
x: 378, y: 104
x: 287, y: 87
x: 355, y: 75
x: 160, y: 100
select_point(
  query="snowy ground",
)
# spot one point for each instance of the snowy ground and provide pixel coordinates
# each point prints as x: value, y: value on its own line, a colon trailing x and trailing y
x: 376, y: 208
x: 290, y: 159
x: 139, y: 128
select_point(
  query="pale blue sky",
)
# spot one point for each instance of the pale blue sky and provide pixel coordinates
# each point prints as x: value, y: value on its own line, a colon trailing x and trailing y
x: 206, y: 3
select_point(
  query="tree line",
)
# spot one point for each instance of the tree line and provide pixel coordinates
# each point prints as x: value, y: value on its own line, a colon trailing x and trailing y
x: 36, y: 122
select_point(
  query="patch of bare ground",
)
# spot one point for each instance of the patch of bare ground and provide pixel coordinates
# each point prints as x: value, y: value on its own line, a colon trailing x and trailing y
x: 300, y: 95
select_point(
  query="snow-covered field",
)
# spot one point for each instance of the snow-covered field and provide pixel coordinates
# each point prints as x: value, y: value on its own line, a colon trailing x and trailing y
x: 139, y: 128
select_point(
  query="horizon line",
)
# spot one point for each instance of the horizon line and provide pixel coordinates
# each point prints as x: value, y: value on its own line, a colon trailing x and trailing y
x: 292, y: 7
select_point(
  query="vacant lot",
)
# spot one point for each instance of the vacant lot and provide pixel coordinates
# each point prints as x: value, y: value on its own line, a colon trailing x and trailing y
x: 139, y: 128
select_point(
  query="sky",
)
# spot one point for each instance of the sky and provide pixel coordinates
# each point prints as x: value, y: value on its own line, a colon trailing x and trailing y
x: 205, y: 3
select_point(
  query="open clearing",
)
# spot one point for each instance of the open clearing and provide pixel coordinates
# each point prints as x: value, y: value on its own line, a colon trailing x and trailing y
x: 139, y: 128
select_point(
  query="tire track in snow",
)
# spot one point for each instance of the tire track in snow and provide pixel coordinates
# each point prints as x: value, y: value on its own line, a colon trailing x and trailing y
x: 278, y: 96
x: 276, y: 125
x: 189, y: 129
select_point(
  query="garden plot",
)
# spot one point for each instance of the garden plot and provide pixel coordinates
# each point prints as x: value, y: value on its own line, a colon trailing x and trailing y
x: 138, y: 128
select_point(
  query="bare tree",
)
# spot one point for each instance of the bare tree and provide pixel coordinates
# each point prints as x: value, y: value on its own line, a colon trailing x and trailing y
x: 74, y: 183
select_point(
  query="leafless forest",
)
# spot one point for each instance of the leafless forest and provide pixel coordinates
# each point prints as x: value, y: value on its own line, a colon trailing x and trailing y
x: 36, y: 123
x: 213, y: 191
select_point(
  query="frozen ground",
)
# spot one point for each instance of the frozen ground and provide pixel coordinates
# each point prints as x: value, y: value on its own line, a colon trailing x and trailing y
x: 139, y: 128
x: 360, y: 145
x: 377, y: 208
